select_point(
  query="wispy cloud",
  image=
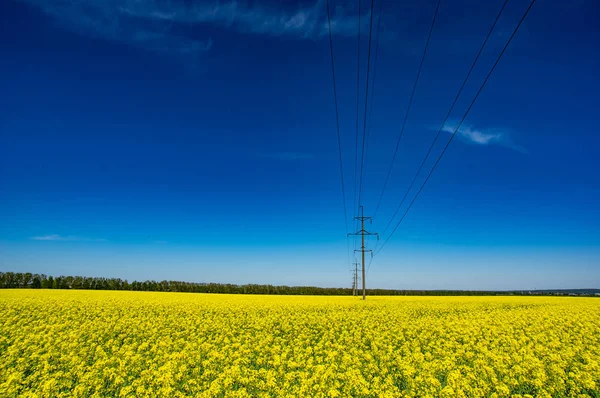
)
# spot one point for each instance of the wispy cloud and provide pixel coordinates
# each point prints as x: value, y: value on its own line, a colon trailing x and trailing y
x: 485, y: 136
x: 288, y: 155
x: 67, y: 238
x: 107, y: 20
x: 167, y: 26
x: 300, y: 22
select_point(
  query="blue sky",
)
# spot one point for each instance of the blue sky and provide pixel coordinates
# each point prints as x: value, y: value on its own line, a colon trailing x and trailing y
x: 196, y: 141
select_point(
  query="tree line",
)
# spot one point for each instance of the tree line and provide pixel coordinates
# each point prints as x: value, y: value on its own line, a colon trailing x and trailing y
x: 27, y: 280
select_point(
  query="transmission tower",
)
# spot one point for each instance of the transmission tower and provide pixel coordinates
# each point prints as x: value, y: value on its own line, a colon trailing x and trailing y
x: 362, y: 232
x: 355, y: 279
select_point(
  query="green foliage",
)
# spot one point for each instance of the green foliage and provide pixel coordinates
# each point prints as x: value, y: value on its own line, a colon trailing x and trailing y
x: 10, y: 280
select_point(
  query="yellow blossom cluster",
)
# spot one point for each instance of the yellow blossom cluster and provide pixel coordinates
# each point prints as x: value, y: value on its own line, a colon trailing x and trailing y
x: 142, y: 344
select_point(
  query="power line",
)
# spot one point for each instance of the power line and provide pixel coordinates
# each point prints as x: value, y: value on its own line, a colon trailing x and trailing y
x: 374, y: 80
x: 337, y: 118
x: 459, y: 124
x: 357, y: 107
x: 412, y: 96
x: 447, y: 115
x: 362, y: 158
x: 371, y: 259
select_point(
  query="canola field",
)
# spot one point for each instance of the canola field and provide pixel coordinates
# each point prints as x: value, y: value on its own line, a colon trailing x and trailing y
x: 138, y: 344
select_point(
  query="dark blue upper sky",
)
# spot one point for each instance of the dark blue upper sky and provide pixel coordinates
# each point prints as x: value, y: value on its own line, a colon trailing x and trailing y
x: 196, y: 140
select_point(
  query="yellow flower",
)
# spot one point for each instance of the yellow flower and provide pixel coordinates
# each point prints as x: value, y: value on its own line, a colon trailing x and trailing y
x: 57, y: 343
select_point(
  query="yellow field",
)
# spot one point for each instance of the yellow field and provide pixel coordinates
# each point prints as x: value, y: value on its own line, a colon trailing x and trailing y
x: 128, y: 344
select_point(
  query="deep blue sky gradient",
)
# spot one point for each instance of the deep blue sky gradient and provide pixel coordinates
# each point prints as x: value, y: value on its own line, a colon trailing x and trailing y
x: 158, y: 142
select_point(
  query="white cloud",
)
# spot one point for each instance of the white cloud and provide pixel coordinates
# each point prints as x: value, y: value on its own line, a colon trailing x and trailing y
x: 308, y: 21
x: 475, y: 136
x: 107, y: 20
x: 48, y: 237
x: 484, y: 136
x: 160, y: 26
x: 68, y: 238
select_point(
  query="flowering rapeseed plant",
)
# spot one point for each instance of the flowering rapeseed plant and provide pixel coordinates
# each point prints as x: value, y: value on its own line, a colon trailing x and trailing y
x: 140, y: 344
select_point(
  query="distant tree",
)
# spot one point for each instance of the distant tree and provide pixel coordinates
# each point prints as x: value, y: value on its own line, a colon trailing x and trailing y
x: 77, y: 282
x: 68, y: 282
x: 26, y: 279
x: 36, y: 282
x: 86, y: 283
x: 163, y: 286
x: 17, y: 280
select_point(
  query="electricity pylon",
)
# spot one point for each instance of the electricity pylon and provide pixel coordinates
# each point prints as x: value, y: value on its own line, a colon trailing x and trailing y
x: 355, y: 279
x: 362, y: 249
